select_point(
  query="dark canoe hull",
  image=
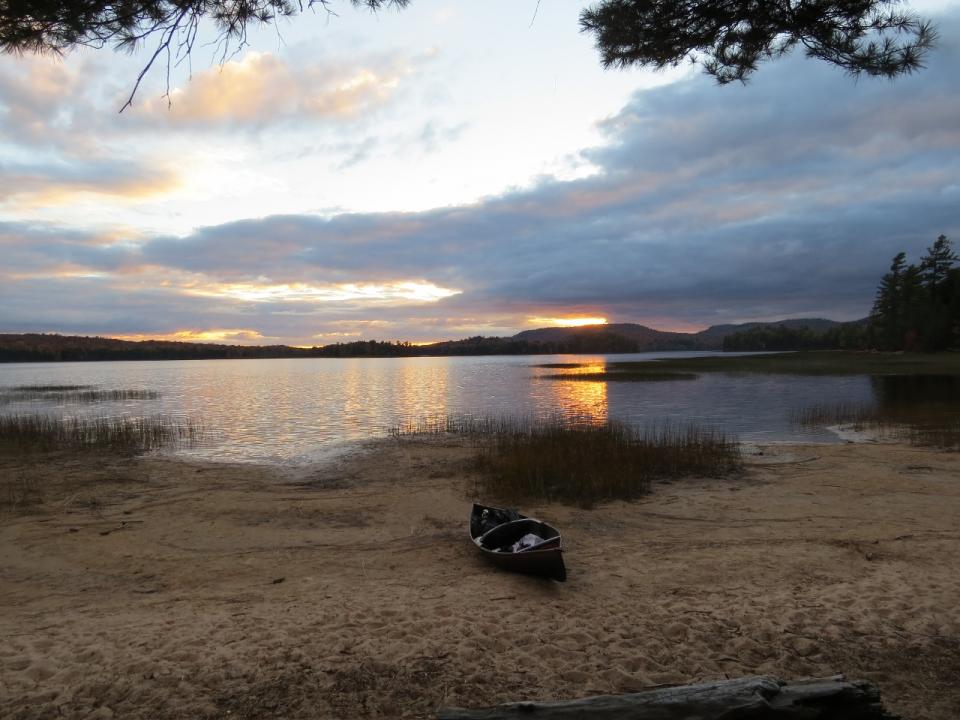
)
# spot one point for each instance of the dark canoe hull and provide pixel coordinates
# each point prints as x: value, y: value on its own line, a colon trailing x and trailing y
x: 545, y: 559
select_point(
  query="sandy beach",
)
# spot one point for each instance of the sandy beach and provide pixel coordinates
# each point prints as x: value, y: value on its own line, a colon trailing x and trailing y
x: 159, y: 588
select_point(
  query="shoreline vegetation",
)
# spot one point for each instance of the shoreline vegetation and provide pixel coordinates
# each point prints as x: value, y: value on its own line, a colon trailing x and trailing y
x: 558, y: 460
x: 71, y: 394
x: 813, y: 362
x: 31, y: 434
x: 592, y: 339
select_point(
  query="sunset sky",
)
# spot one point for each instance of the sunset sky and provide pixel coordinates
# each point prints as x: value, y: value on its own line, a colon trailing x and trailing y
x: 458, y: 169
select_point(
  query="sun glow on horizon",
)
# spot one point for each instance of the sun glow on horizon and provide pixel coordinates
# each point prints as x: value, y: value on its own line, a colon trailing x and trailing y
x: 566, y: 321
x: 228, y: 337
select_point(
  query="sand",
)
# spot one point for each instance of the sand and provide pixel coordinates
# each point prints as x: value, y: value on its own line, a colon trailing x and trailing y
x: 159, y: 588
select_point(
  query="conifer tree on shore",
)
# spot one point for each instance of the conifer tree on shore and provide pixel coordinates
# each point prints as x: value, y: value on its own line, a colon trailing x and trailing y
x: 917, y: 307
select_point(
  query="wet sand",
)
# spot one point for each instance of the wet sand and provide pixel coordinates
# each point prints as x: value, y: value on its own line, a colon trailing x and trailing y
x: 162, y: 588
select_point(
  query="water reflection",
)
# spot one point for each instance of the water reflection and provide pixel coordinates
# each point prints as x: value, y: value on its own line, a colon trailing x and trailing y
x: 582, y: 401
x: 290, y: 409
x: 934, y: 393
x: 424, y: 389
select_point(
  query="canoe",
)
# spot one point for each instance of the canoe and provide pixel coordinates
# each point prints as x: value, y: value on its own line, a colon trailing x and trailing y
x: 518, y: 543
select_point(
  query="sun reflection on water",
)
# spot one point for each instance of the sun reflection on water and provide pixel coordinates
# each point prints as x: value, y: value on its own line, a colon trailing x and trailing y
x: 583, y: 401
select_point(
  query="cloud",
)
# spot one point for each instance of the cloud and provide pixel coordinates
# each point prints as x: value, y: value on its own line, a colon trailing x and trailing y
x: 262, y: 88
x: 787, y: 197
x: 213, y: 335
x: 54, y: 150
x: 45, y: 185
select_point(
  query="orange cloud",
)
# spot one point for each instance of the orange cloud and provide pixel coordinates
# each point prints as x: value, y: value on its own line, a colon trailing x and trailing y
x: 416, y: 291
x: 566, y: 321
x: 262, y: 87
x: 234, y: 336
x: 35, y: 191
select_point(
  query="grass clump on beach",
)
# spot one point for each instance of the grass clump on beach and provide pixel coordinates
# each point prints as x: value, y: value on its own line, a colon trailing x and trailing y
x: 583, y: 463
x: 42, y: 433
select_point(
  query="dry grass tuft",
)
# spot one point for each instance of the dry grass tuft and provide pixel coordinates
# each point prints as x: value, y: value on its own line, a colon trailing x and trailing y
x: 583, y: 463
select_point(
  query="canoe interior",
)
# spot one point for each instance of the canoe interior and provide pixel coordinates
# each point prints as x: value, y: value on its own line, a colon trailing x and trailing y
x: 503, y: 536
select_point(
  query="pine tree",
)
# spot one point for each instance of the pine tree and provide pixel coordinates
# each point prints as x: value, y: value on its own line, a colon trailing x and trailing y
x: 913, y: 310
x: 940, y: 320
x: 937, y: 263
x: 885, y: 317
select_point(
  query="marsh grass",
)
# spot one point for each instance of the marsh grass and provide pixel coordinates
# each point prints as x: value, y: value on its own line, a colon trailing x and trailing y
x: 582, y: 463
x: 825, y: 362
x: 857, y: 415
x: 71, y: 394
x: 624, y: 376
x: 41, y: 433
x: 945, y: 436
x: 920, y: 426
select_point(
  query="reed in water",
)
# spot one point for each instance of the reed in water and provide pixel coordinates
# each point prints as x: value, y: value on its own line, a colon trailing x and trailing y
x: 72, y: 394
x: 40, y: 433
x: 921, y: 426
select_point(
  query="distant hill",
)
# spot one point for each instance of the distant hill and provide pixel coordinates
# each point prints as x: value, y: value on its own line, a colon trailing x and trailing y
x: 643, y: 338
x: 612, y: 338
x: 49, y: 347
x: 799, y: 335
x: 649, y: 340
x: 818, y: 325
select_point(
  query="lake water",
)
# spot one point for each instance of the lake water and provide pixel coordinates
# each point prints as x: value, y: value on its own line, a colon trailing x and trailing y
x: 303, y: 409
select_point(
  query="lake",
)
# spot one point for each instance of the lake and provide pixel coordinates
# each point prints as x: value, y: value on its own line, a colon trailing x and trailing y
x: 300, y: 410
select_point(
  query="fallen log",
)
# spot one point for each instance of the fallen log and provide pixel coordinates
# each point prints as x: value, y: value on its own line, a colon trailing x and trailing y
x: 753, y: 698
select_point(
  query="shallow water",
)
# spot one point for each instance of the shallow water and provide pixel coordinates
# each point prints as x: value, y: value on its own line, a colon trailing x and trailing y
x: 294, y: 410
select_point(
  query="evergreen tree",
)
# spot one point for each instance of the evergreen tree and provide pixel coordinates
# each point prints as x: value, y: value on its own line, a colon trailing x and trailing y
x: 912, y: 315
x: 885, y: 321
x: 729, y: 37
x: 732, y: 37
x: 937, y: 263
x: 917, y: 307
x: 940, y: 318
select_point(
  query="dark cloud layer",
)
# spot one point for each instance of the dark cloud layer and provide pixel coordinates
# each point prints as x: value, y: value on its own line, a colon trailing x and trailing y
x: 787, y: 197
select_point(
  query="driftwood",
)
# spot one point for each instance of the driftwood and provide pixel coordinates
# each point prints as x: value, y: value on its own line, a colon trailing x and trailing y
x: 753, y: 698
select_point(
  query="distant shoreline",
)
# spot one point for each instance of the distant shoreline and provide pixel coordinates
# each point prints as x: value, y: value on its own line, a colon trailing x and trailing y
x: 617, y: 338
x: 365, y: 357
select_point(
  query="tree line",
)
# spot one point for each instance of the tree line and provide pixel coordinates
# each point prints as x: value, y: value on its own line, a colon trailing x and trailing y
x: 916, y: 309
x: 845, y: 336
x: 43, y: 347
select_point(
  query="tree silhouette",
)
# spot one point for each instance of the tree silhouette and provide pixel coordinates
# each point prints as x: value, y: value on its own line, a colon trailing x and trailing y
x: 917, y: 307
x: 40, y: 26
x: 936, y: 265
x: 884, y: 319
x: 729, y: 37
